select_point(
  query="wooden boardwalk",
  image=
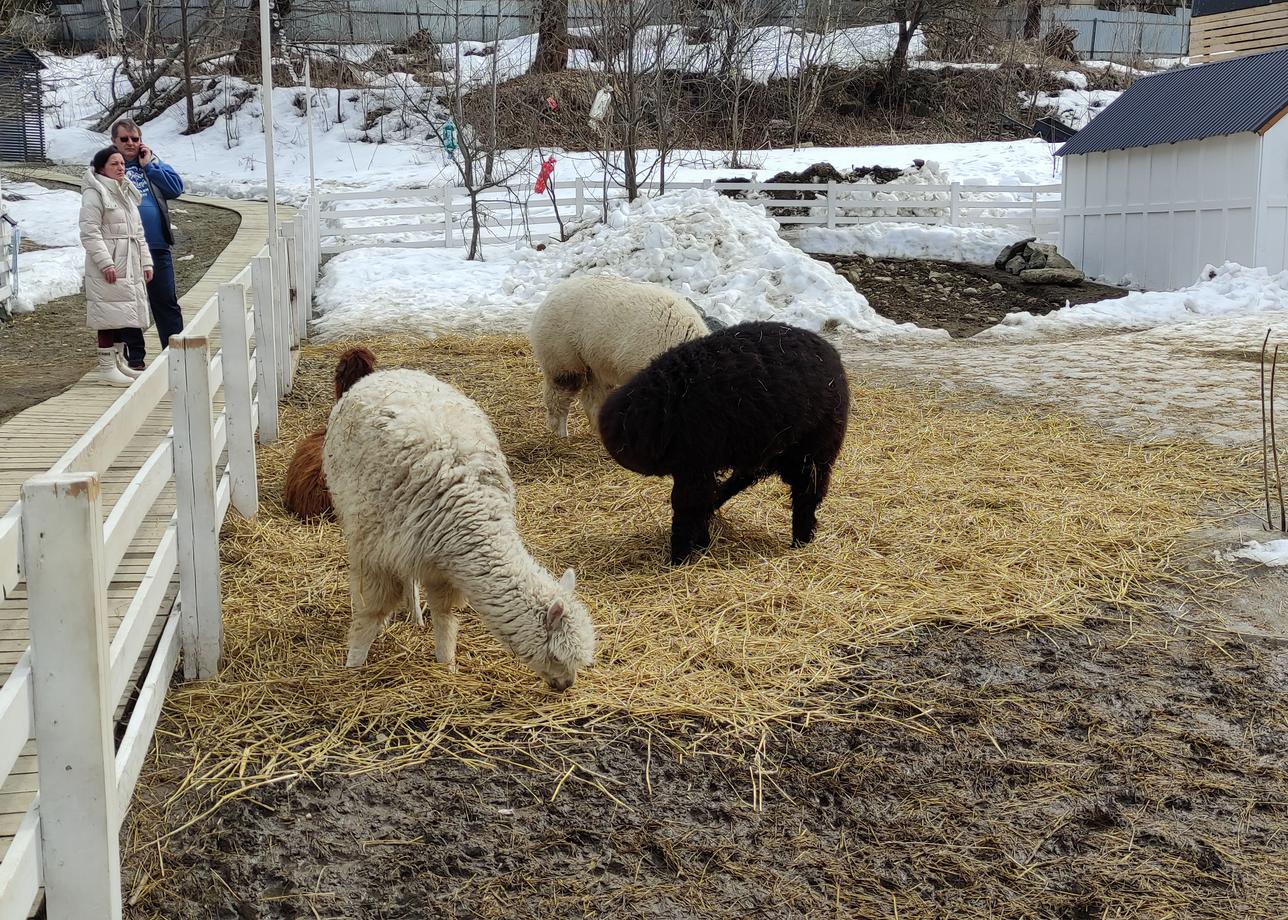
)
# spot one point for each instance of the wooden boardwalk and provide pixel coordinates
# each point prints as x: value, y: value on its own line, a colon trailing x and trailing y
x: 32, y: 441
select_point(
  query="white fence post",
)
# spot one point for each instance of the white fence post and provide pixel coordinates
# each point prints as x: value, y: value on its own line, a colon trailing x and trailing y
x: 62, y: 531
x: 281, y: 315
x: 261, y: 275
x: 447, y: 217
x: 581, y: 197
x: 954, y: 202
x: 237, y: 399
x: 201, y: 626
x: 831, y: 205
x: 292, y: 279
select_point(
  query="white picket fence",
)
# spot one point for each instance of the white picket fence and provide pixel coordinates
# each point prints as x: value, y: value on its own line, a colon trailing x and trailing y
x: 440, y: 217
x: 66, y: 687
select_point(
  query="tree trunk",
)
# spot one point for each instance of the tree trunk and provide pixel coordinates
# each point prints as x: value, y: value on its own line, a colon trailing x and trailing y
x: 246, y: 60
x: 552, y: 37
x: 899, y: 60
x: 1033, y: 20
x: 187, y: 66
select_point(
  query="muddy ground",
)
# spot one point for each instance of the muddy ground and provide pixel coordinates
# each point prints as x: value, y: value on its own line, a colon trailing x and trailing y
x: 45, y: 352
x: 1128, y: 771
x: 964, y: 299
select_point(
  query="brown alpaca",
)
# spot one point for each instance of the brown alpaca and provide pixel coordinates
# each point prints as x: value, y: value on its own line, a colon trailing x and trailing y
x: 305, y: 493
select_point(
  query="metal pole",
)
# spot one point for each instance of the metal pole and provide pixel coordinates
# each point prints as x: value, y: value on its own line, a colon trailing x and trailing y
x: 266, y: 97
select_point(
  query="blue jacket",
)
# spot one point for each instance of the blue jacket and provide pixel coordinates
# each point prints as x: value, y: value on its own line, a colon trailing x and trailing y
x: 157, y: 183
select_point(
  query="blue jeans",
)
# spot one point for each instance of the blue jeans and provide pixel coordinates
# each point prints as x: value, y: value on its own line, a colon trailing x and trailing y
x: 162, y: 296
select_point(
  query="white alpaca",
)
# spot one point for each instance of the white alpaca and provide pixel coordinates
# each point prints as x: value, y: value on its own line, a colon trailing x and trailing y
x: 594, y: 333
x: 423, y: 493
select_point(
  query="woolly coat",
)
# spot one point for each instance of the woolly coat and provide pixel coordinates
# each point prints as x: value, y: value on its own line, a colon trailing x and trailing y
x: 111, y: 231
x: 593, y: 333
x: 423, y: 492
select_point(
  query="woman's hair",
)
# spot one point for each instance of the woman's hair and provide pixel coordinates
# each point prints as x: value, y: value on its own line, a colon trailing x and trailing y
x: 101, y: 158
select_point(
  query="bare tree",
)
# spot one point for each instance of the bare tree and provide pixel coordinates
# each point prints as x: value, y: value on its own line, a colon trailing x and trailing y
x: 552, y: 37
x: 645, y: 59
x: 815, y: 39
x: 912, y: 15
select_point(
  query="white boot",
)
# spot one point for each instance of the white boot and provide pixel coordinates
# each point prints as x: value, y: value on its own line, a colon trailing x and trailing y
x: 108, y: 372
x: 121, y: 364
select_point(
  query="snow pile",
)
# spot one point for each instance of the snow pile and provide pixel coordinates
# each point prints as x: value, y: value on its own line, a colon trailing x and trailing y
x: 1229, y: 290
x: 924, y: 172
x: 1273, y: 553
x: 725, y: 255
x: 1074, y: 107
x: 975, y: 245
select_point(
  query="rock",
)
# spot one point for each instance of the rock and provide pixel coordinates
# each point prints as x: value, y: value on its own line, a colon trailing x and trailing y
x: 996, y: 286
x: 1051, y: 276
x: 970, y: 290
x: 1010, y: 252
x: 1016, y: 264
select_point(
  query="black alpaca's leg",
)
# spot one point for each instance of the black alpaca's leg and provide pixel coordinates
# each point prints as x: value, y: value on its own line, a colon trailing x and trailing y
x: 808, y: 479
x: 692, y: 504
x: 738, y: 481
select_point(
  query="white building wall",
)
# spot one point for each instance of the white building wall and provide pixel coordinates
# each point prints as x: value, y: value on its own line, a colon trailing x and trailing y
x: 1272, y: 223
x: 1154, y: 216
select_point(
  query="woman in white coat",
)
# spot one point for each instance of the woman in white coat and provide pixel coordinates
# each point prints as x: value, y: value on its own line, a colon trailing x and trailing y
x: 118, y: 266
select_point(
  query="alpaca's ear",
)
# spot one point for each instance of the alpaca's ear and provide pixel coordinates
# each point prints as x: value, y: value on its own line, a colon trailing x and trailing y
x: 554, y: 615
x: 569, y: 581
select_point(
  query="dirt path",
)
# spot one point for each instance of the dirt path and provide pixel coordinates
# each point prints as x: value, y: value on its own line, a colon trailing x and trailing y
x: 45, y: 352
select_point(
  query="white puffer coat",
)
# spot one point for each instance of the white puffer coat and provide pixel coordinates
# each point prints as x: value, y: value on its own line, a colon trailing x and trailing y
x: 111, y: 231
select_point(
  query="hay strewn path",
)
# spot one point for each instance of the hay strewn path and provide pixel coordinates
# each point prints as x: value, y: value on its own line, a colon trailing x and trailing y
x: 763, y: 659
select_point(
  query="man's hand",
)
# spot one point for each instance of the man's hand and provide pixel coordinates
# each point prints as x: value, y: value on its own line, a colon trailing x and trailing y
x: 109, y: 274
x: 145, y: 155
x: 147, y: 274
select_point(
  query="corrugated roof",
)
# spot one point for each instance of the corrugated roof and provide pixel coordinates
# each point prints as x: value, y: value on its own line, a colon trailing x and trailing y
x: 1209, y: 7
x: 1211, y: 100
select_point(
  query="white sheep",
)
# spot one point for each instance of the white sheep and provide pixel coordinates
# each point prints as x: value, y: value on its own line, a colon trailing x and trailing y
x: 594, y: 333
x: 423, y: 493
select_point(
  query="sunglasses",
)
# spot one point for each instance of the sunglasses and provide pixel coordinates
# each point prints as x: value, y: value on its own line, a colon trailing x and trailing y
x: 131, y: 140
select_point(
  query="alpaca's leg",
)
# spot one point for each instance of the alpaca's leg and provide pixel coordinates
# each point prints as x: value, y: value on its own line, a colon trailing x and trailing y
x: 808, y: 478
x: 738, y: 481
x: 558, y: 395
x: 442, y: 599
x: 413, y: 602
x: 692, y: 504
x: 373, y: 595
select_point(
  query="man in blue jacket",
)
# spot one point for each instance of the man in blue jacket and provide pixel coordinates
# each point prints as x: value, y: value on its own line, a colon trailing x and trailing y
x: 157, y: 183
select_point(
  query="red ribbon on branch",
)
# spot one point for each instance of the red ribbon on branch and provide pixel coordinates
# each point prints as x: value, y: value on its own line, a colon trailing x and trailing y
x: 547, y: 170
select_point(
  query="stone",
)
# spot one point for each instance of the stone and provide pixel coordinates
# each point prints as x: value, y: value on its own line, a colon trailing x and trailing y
x: 1010, y: 252
x: 1016, y: 265
x: 996, y: 286
x: 1051, y: 276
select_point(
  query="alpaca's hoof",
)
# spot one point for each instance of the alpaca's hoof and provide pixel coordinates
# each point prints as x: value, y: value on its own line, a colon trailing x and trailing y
x: 356, y: 659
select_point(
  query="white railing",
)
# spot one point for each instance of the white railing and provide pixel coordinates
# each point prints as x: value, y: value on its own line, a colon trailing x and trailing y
x: 65, y: 689
x: 441, y: 217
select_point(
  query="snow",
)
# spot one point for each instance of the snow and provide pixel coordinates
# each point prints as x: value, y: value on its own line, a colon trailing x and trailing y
x: 1225, y: 291
x: 49, y: 217
x: 725, y: 255
x: 414, y: 290
x: 1273, y: 553
x: 1075, y: 107
x: 48, y: 274
x: 975, y: 245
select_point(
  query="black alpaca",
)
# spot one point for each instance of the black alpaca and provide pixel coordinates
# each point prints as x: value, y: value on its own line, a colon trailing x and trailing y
x: 756, y: 399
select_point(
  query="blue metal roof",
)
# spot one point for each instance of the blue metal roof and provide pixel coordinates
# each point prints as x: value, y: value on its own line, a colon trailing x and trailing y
x: 1211, y: 100
x: 1212, y: 7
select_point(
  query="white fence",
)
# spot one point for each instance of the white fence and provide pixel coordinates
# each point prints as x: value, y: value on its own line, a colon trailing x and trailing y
x: 440, y: 217
x: 65, y: 689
